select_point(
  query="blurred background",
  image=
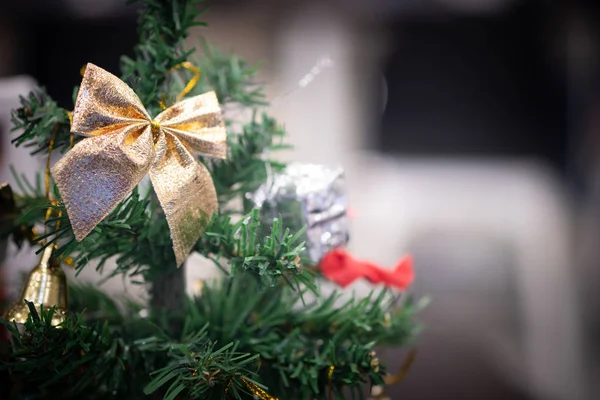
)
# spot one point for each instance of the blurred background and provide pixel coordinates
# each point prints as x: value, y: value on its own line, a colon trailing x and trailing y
x: 469, y: 132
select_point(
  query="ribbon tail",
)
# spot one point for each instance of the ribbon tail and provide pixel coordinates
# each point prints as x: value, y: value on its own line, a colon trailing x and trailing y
x: 400, y: 277
x: 186, y: 194
x: 403, y: 275
x: 340, y: 267
x: 99, y: 172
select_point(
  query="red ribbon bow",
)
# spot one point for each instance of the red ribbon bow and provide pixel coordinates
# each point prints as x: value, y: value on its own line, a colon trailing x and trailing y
x: 342, y: 268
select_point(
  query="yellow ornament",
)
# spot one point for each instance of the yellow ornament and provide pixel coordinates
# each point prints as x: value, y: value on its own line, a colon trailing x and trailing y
x: 46, y: 285
x: 123, y: 144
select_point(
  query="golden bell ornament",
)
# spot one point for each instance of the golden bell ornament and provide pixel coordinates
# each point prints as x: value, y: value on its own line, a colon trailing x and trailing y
x: 46, y: 285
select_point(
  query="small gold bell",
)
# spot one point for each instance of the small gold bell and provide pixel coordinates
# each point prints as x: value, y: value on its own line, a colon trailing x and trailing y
x: 47, y: 285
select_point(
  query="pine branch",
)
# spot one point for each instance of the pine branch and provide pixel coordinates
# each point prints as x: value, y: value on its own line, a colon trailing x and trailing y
x: 38, y: 120
x: 112, y: 358
x: 248, y: 249
x: 230, y: 77
x: 261, y: 341
x: 67, y: 361
x: 19, y: 214
x: 245, y: 169
x: 135, y: 232
x: 199, y: 370
x: 163, y: 26
x: 136, y: 236
x: 298, y: 343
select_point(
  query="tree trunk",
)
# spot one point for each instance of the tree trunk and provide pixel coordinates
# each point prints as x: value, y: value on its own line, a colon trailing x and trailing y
x: 169, y: 290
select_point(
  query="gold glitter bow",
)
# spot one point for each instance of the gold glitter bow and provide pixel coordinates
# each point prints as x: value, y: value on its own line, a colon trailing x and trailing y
x: 123, y: 144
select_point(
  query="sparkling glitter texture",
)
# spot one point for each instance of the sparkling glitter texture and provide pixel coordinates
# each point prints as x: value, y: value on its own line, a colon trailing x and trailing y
x: 311, y: 195
x: 124, y: 144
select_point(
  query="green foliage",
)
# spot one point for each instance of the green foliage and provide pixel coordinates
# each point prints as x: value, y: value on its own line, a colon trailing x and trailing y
x: 129, y: 229
x: 132, y: 235
x: 18, y: 214
x: 38, y: 121
x: 163, y: 27
x: 103, y: 353
x: 68, y: 361
x: 232, y: 331
x: 247, y: 249
x: 246, y: 168
x: 199, y: 370
x: 298, y: 341
x: 230, y: 77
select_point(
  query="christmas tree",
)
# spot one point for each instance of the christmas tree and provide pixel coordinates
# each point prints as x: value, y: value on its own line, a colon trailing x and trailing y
x: 263, y: 330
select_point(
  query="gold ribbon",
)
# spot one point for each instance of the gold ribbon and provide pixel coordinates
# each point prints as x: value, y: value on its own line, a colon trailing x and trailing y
x: 257, y: 391
x: 188, y: 87
x: 330, y: 381
x: 192, y: 82
x: 123, y: 144
x: 399, y: 377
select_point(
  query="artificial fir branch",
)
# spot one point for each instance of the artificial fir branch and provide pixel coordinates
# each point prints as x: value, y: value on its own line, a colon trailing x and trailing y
x: 163, y: 27
x: 268, y: 256
x: 133, y: 235
x: 298, y: 343
x: 37, y: 120
x: 19, y: 214
x: 246, y: 167
x: 112, y: 357
x: 67, y: 361
x: 230, y: 77
x: 231, y: 331
x: 199, y: 370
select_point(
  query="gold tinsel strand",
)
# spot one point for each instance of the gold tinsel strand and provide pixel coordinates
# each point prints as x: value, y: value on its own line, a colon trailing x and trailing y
x: 69, y: 260
x: 228, y: 385
x: 399, y: 377
x: 257, y: 391
x: 192, y: 82
x: 329, y: 380
x: 188, y: 87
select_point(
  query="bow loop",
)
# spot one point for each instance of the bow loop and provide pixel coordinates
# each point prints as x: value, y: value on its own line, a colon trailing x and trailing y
x: 198, y: 123
x: 124, y: 144
x: 103, y: 102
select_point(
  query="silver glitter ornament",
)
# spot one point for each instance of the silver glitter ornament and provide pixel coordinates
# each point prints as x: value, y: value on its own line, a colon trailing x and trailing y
x: 308, y: 195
